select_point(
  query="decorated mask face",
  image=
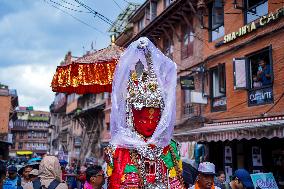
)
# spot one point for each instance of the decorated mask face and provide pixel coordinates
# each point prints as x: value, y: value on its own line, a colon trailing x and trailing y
x: 146, y: 120
x: 144, y: 100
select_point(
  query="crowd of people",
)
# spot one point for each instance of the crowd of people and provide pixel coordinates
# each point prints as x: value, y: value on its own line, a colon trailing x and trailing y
x: 50, y: 174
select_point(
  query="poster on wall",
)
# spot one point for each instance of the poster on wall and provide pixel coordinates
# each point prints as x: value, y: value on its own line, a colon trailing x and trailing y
x: 264, y: 181
x: 228, y: 172
x: 228, y: 154
x: 256, y: 156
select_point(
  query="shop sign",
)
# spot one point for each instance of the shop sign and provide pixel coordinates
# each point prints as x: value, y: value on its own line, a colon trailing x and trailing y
x: 264, y: 181
x: 263, y: 21
x: 187, y: 82
x: 260, y: 96
x: 219, y: 104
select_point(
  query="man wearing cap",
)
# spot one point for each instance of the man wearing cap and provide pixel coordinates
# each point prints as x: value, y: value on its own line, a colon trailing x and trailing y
x: 241, y: 180
x: 13, y: 181
x: 205, y: 178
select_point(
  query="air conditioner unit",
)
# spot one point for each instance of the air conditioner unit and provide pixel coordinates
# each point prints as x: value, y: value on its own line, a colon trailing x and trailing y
x: 198, y: 98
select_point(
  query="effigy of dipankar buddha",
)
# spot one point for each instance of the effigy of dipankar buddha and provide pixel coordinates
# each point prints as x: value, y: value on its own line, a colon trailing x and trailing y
x: 142, y: 153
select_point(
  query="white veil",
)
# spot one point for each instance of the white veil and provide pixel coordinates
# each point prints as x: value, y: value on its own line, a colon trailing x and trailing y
x: 165, y: 69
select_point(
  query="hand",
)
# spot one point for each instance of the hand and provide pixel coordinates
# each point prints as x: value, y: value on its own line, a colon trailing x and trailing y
x: 259, y: 72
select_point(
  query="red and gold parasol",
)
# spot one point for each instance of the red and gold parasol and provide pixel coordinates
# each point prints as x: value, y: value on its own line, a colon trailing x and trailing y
x: 92, y: 73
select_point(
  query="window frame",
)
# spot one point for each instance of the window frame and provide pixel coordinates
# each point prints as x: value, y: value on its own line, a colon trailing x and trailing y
x: 246, y: 10
x: 189, y: 48
x: 210, y: 15
x: 166, y: 42
x: 251, y: 89
x: 212, y: 98
x: 248, y: 57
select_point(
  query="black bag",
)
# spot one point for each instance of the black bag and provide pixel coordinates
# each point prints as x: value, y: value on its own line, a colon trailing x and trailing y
x: 37, y: 184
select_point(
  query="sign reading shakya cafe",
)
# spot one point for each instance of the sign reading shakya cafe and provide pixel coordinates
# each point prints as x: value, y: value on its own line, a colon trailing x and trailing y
x: 264, y: 20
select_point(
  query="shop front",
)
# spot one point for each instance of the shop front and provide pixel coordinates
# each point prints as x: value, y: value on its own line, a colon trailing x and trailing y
x: 256, y: 145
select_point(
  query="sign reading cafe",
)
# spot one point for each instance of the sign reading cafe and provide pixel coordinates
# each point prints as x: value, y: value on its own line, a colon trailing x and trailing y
x: 264, y: 20
x: 260, y: 96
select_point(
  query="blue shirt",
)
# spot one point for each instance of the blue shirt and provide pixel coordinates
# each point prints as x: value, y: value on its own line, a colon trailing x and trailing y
x: 264, y: 79
x: 10, y: 184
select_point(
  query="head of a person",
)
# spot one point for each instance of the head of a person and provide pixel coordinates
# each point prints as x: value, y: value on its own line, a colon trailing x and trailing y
x: 12, y: 172
x: 206, y: 173
x: 33, y: 174
x: 49, y: 168
x: 221, y: 176
x: 95, y: 175
x: 242, y: 180
x: 26, y: 171
x: 262, y: 63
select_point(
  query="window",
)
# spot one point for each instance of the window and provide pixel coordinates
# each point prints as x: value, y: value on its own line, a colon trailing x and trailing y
x: 153, y: 9
x: 188, y: 108
x: 168, y: 47
x: 218, y: 88
x: 257, y: 77
x: 141, y: 24
x: 20, y: 145
x: 21, y: 135
x: 168, y: 3
x: 187, y: 41
x: 254, y: 9
x: 216, y: 19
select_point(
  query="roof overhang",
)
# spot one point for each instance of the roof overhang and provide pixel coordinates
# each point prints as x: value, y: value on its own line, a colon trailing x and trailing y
x: 236, y: 130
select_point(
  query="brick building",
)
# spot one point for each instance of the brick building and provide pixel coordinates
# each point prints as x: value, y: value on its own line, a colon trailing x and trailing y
x: 30, y: 133
x: 230, y: 64
x: 8, y: 103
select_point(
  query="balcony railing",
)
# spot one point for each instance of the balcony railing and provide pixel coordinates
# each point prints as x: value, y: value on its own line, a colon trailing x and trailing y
x: 188, y: 109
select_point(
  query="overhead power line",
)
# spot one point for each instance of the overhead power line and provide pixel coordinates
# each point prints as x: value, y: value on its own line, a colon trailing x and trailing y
x: 118, y: 5
x: 102, y: 17
x: 67, y: 7
x: 79, y: 20
x: 71, y: 4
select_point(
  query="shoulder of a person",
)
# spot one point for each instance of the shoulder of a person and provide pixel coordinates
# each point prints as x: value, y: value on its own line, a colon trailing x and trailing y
x: 216, y: 187
x: 192, y: 187
x: 62, y: 185
x: 28, y: 185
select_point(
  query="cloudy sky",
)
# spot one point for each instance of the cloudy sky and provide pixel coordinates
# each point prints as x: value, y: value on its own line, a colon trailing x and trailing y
x: 35, y: 36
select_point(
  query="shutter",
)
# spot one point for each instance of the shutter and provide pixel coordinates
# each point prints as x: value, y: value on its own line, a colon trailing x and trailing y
x: 240, y: 73
x: 271, y: 63
x: 222, y: 78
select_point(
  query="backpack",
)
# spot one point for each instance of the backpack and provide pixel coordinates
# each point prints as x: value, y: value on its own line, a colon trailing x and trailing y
x: 37, y: 184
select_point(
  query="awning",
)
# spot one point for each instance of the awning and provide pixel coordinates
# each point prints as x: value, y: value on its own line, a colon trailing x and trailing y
x: 24, y: 152
x: 236, y: 130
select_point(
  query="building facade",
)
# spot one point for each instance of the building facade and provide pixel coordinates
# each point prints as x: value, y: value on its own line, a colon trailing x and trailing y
x: 230, y: 90
x: 78, y: 129
x: 30, y: 133
x: 8, y: 103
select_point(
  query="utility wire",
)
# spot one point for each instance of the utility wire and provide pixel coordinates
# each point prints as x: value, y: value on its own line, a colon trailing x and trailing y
x: 68, y: 7
x: 71, y: 4
x: 102, y: 17
x: 81, y: 21
x: 118, y: 5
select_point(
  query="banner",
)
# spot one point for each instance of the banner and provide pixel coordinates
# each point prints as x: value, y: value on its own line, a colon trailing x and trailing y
x: 264, y: 181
